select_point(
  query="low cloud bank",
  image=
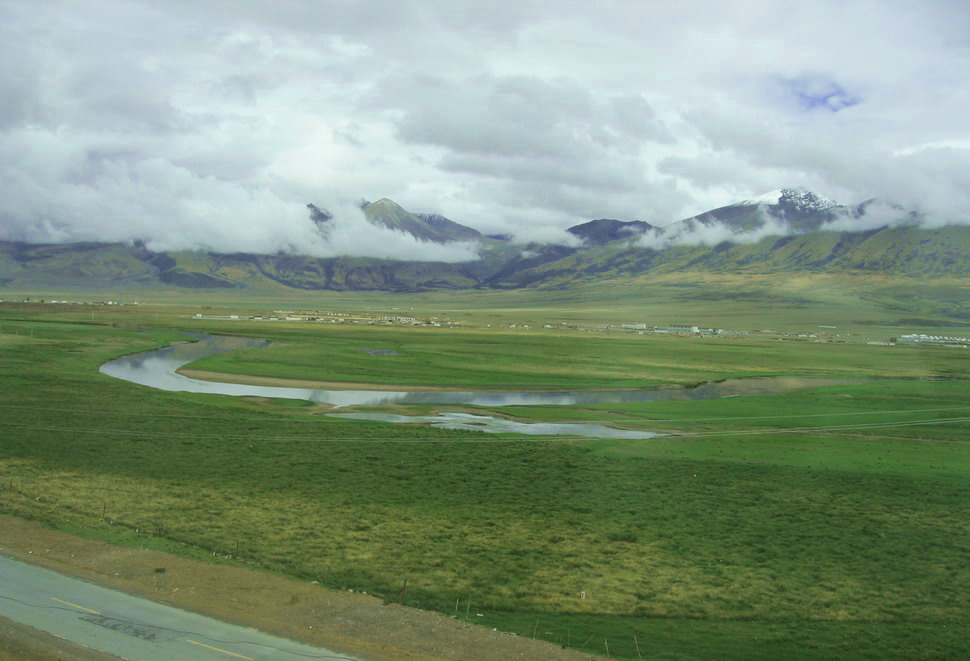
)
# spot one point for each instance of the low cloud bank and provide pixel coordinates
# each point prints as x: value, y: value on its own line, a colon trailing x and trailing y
x: 553, y: 236
x: 693, y: 233
x: 869, y: 216
x: 349, y: 233
x: 72, y: 195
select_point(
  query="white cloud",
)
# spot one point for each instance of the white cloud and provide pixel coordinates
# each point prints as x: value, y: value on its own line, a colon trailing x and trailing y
x: 217, y: 121
x: 349, y: 233
x: 692, y: 233
x: 548, y: 236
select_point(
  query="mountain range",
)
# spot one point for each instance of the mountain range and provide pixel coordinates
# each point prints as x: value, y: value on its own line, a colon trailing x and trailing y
x: 789, y: 230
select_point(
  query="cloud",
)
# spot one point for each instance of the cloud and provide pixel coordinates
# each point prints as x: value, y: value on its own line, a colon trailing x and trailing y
x: 721, y: 171
x: 219, y: 120
x: 548, y: 236
x: 68, y: 192
x: 523, y: 141
x: 691, y: 232
x: 521, y: 116
x: 873, y: 215
x: 349, y: 233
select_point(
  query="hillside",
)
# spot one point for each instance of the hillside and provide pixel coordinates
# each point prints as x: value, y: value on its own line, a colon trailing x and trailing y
x: 112, y: 265
x: 896, y: 251
x: 780, y: 232
x: 797, y: 209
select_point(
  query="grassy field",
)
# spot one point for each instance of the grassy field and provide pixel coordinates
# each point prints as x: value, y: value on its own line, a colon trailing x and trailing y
x: 786, y: 526
x: 491, y: 358
x: 877, y: 306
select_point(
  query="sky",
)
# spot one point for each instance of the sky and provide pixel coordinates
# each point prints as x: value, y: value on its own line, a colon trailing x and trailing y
x: 212, y: 123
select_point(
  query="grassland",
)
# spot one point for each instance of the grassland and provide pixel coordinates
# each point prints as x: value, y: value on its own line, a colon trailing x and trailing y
x: 770, y: 530
x: 876, y: 305
x: 488, y: 358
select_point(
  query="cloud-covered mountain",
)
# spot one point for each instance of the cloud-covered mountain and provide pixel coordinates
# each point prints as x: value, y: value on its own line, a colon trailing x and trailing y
x: 603, y: 230
x: 425, y: 227
x: 783, y: 212
x: 789, y: 230
x: 786, y: 230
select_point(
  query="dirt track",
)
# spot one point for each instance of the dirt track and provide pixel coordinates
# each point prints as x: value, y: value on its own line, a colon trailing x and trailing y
x: 354, y: 623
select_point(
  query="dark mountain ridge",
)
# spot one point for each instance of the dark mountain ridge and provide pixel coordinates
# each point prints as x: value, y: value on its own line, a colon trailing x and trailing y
x: 608, y: 248
x: 602, y: 231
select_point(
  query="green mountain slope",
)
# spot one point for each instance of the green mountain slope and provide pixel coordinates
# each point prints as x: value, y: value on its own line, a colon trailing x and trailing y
x: 427, y: 227
x: 898, y: 251
x: 78, y: 264
x: 117, y: 265
x: 610, y: 249
x: 447, y: 229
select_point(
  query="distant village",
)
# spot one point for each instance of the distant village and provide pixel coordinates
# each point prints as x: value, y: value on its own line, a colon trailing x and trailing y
x: 827, y: 333
x: 319, y: 316
x: 65, y: 302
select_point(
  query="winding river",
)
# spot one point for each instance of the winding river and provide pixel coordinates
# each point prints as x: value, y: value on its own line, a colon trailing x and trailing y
x: 158, y: 369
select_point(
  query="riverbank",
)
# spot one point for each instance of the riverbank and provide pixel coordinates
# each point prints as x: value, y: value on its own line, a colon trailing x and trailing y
x: 278, y: 382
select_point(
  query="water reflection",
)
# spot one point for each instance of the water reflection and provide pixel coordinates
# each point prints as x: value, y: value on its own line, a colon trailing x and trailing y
x: 487, y: 423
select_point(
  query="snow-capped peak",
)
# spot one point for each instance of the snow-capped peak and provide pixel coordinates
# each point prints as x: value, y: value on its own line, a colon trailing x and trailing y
x: 797, y: 197
x: 806, y: 200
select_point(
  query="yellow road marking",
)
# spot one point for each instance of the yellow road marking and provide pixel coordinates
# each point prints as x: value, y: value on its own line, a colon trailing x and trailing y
x: 238, y: 656
x: 87, y: 610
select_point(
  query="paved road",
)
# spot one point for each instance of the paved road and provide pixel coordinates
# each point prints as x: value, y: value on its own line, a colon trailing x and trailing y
x: 131, y: 627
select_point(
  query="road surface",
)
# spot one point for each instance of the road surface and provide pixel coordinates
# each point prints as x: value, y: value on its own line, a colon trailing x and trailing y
x: 131, y: 627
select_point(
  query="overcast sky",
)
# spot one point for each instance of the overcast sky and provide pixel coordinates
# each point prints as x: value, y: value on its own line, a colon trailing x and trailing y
x: 214, y: 122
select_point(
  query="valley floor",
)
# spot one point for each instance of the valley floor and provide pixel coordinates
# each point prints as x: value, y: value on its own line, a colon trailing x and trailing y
x: 811, y: 525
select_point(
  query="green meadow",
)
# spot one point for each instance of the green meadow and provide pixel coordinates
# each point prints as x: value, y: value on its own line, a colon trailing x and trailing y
x: 820, y: 523
x: 861, y: 304
x: 549, y: 359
